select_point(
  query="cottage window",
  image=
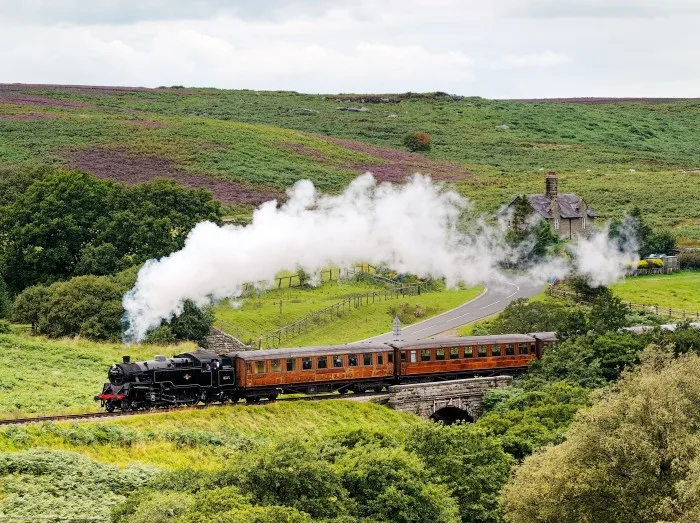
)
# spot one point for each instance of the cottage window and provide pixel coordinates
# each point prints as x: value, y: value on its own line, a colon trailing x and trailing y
x: 556, y: 224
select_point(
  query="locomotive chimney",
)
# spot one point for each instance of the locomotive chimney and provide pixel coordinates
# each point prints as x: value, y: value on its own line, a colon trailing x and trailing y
x: 126, y: 359
x: 551, y: 185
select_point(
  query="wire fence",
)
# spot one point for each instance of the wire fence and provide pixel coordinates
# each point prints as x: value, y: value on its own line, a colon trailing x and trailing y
x: 300, y: 279
x: 332, y: 312
x: 664, y: 312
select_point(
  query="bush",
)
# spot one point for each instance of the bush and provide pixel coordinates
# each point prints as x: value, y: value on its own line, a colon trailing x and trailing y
x: 4, y: 327
x: 655, y: 263
x: 418, y: 141
x: 689, y: 260
x: 643, y: 264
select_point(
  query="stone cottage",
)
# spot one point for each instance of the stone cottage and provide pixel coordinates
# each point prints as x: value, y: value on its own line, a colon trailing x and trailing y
x: 569, y: 214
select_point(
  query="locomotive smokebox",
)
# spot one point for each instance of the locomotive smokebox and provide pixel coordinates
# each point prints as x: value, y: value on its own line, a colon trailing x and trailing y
x: 126, y: 359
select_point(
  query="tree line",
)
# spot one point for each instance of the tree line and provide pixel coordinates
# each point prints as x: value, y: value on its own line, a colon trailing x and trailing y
x: 71, y: 244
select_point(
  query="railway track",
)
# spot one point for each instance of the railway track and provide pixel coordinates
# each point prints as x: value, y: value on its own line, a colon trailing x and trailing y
x: 89, y: 416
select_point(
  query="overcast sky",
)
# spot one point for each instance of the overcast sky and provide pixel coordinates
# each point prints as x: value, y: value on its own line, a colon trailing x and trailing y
x: 490, y: 48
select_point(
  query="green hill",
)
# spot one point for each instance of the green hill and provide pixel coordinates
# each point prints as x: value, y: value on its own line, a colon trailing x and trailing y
x: 247, y: 146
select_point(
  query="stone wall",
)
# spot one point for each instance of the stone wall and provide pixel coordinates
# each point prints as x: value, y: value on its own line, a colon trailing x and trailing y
x: 221, y: 342
x: 425, y: 399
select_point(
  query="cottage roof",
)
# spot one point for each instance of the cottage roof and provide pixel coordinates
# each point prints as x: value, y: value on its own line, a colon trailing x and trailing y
x: 569, y: 206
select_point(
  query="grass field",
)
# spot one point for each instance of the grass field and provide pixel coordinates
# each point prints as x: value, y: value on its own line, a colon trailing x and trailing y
x: 203, y: 438
x: 615, y: 155
x: 679, y: 291
x: 261, y: 315
x: 40, y: 376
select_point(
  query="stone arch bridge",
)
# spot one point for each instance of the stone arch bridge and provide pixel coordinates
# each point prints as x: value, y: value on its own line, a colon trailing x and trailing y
x: 446, y: 401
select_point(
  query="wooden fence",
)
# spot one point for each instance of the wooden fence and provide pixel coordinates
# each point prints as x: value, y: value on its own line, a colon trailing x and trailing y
x: 330, y: 313
x: 664, y: 312
x: 298, y: 280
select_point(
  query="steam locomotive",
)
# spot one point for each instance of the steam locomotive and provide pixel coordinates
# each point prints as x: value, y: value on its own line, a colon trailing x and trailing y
x: 203, y: 376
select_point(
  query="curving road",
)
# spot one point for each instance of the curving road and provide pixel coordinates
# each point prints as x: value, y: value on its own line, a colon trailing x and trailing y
x: 492, y: 301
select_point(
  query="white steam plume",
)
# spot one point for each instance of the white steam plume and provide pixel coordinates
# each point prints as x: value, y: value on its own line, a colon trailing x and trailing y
x: 412, y: 228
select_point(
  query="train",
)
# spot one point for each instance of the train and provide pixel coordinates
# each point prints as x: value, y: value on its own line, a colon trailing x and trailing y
x: 205, y: 377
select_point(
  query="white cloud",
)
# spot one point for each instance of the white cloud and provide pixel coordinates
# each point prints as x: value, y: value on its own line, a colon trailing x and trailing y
x: 494, y: 49
x: 544, y: 59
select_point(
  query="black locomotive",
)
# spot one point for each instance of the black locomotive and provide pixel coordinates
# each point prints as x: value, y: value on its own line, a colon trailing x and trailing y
x: 185, y: 379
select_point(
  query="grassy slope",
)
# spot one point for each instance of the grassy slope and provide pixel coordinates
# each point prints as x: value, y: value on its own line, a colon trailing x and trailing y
x: 679, y: 291
x: 202, y: 439
x: 41, y: 376
x: 594, y: 146
x: 261, y: 315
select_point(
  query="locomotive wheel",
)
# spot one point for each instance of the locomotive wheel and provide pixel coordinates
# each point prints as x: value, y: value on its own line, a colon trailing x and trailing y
x: 342, y: 391
x: 109, y: 406
x: 378, y: 388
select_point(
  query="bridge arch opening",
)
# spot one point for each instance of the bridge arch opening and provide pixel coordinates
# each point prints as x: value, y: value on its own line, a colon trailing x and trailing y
x: 450, y: 415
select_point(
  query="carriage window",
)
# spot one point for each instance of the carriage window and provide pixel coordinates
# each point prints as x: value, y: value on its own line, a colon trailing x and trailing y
x: 403, y: 357
x: 454, y: 353
x: 225, y: 362
x: 306, y: 364
x: 322, y: 362
x: 482, y: 351
x: 380, y: 359
x: 291, y: 364
x: 524, y: 348
x: 439, y: 354
x: 425, y: 355
x: 366, y: 359
x: 413, y: 356
x: 469, y: 352
x: 391, y: 357
x: 495, y: 350
x: 337, y: 361
x: 352, y: 360
x: 249, y: 368
x: 259, y: 367
x: 510, y: 349
x: 275, y: 366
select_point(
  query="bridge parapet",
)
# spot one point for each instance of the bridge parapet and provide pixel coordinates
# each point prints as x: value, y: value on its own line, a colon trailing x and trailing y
x: 447, y: 401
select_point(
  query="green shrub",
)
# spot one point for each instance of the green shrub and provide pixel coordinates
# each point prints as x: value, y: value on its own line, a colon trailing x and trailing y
x: 417, y: 141
x: 689, y: 260
x: 643, y: 264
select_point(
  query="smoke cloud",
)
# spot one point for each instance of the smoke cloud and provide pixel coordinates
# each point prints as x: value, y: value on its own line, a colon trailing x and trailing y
x: 413, y: 228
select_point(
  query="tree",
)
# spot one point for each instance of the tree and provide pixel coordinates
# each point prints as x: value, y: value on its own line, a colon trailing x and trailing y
x: 289, y: 474
x: 523, y: 316
x: 27, y: 306
x: 5, y: 302
x: 470, y: 462
x: 391, y: 485
x: 69, y: 223
x: 632, y: 458
x: 609, y: 313
x: 192, y: 324
x: 417, y: 141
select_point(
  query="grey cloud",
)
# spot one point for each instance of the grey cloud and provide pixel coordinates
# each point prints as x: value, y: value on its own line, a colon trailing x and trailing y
x: 121, y: 12
x: 629, y: 9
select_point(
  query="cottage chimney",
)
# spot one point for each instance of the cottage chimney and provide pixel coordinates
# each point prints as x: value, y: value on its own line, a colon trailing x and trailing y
x: 551, y: 185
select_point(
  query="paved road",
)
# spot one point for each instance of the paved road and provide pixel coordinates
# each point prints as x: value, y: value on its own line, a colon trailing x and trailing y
x: 493, y: 300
